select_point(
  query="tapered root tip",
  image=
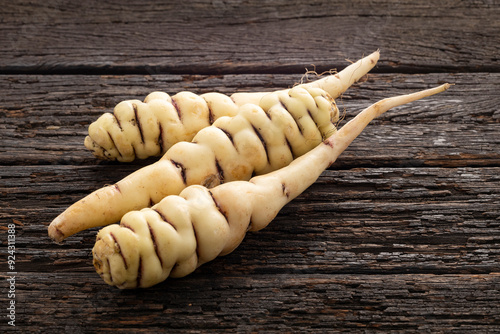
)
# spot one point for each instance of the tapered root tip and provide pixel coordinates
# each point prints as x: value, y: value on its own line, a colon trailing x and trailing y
x: 374, y: 57
x: 391, y: 102
x: 354, y: 127
x: 430, y: 91
x: 55, y: 234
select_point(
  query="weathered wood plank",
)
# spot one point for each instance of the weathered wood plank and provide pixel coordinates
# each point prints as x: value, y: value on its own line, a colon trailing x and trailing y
x: 402, y: 234
x: 235, y: 36
x: 364, y: 220
x: 44, y: 119
x: 234, y: 303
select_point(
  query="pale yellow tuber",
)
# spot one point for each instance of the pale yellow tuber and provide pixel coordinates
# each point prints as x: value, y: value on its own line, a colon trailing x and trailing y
x: 139, y: 129
x: 259, y: 139
x: 184, y: 231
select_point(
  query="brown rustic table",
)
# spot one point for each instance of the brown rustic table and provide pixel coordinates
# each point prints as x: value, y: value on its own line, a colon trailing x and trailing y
x: 401, y: 234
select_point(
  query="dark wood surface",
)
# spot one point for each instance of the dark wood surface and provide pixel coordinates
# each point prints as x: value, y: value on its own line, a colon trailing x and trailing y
x: 401, y: 234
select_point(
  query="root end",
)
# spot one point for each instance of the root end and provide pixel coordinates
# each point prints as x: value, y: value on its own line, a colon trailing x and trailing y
x: 56, y: 234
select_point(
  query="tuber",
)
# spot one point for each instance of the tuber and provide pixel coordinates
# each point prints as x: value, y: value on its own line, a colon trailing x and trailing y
x: 259, y: 139
x: 184, y: 231
x: 139, y: 129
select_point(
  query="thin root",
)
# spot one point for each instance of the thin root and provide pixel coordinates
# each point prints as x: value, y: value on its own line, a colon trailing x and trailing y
x: 305, y: 77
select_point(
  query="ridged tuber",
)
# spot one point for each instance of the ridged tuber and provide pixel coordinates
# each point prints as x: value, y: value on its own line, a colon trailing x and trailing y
x: 139, y: 129
x: 182, y: 232
x: 259, y: 139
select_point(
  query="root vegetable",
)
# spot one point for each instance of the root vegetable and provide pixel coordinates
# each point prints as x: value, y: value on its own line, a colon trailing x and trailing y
x: 255, y: 141
x: 139, y: 129
x: 182, y: 232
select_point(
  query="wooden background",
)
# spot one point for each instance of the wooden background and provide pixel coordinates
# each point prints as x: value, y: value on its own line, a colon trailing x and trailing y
x: 402, y: 234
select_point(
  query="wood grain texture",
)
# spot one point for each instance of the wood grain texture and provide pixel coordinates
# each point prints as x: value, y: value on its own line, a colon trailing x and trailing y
x: 400, y: 235
x: 457, y: 128
x: 302, y: 303
x: 246, y: 37
x: 381, y: 220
